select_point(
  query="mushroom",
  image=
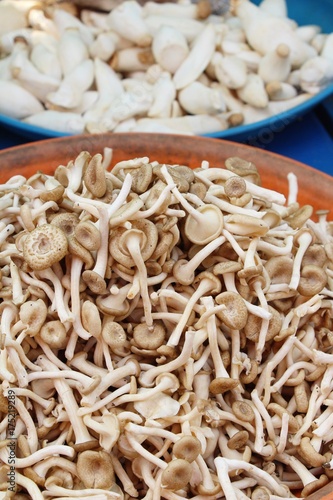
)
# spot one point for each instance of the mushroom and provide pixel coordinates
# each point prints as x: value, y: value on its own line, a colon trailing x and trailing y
x: 44, y: 246
x: 95, y: 469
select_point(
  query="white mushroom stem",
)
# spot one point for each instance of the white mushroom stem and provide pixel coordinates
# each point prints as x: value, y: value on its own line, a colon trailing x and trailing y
x: 29, y: 485
x: 39, y: 455
x: 222, y: 469
x: 101, y: 403
x: 229, y: 281
x: 213, y: 174
x: 264, y: 380
x: 147, y: 378
x: 32, y: 438
x: 67, y: 396
x: 304, y: 240
x: 58, y: 305
x: 264, y: 414
x: 110, y: 380
x: 220, y: 370
x: 301, y: 470
x: 205, y: 286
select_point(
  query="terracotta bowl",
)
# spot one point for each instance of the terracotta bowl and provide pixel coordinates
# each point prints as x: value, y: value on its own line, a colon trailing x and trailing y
x: 315, y: 187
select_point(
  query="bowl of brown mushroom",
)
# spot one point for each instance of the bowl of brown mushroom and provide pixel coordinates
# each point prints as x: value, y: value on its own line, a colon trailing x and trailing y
x: 166, y: 321
x: 230, y: 69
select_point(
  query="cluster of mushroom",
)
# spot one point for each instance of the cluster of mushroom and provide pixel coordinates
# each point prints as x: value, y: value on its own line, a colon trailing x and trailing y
x: 167, y: 333
x: 156, y: 67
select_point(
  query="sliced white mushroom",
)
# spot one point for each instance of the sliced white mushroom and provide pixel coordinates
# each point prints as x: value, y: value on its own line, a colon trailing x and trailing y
x: 127, y: 20
x: 70, y: 92
x: 132, y: 59
x: 315, y: 74
x: 109, y: 87
x: 276, y: 64
x: 72, y: 50
x: 17, y: 102
x: 198, y: 58
x: 278, y: 91
x: 260, y: 27
x: 179, y: 10
x: 164, y: 94
x: 65, y: 20
x: 231, y: 71
x: 307, y: 32
x: 189, y: 27
x: 197, y: 99
x: 45, y: 57
x: 254, y: 92
x: 28, y: 76
x: 65, y: 122
x: 11, y: 19
x: 103, y: 46
x: 39, y: 21
x: 190, y: 124
x: 327, y: 50
x: 169, y: 47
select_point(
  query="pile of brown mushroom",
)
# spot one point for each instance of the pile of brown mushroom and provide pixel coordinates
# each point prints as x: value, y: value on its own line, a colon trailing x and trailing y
x: 166, y: 332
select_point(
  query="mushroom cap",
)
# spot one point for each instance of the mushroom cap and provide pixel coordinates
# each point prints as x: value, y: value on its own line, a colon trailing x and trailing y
x: 88, y: 235
x: 177, y: 474
x: 207, y: 228
x: 243, y: 411
x: 67, y: 222
x: 95, y: 469
x: 235, y: 314
x: 312, y: 281
x: 94, y: 176
x: 114, y: 335
x: 238, y: 440
x: 149, y: 338
x: 118, y: 247
x: 279, y: 269
x: 44, y: 246
x: 235, y: 187
x: 253, y: 324
x: 54, y: 334
x: 246, y: 225
x: 33, y: 314
x: 187, y: 447
x: 94, y: 281
x: 221, y: 385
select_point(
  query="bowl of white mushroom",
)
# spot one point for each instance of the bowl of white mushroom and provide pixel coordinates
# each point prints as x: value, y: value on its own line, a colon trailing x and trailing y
x: 166, y: 320
x: 224, y: 69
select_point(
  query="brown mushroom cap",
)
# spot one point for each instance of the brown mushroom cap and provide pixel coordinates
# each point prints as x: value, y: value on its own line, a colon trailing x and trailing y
x: 149, y: 338
x: 238, y: 440
x: 235, y: 314
x: 88, y: 235
x: 252, y: 326
x: 54, y: 334
x: 235, y: 187
x: 177, y: 474
x: 243, y: 411
x: 312, y: 281
x: 220, y: 385
x: 187, y: 448
x: 44, y: 246
x: 94, y: 176
x: 95, y: 469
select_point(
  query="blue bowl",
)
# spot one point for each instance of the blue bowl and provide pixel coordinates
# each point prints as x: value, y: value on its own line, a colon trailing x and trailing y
x: 303, y: 12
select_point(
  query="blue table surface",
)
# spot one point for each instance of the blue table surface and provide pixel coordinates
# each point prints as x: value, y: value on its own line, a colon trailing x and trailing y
x: 309, y: 139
